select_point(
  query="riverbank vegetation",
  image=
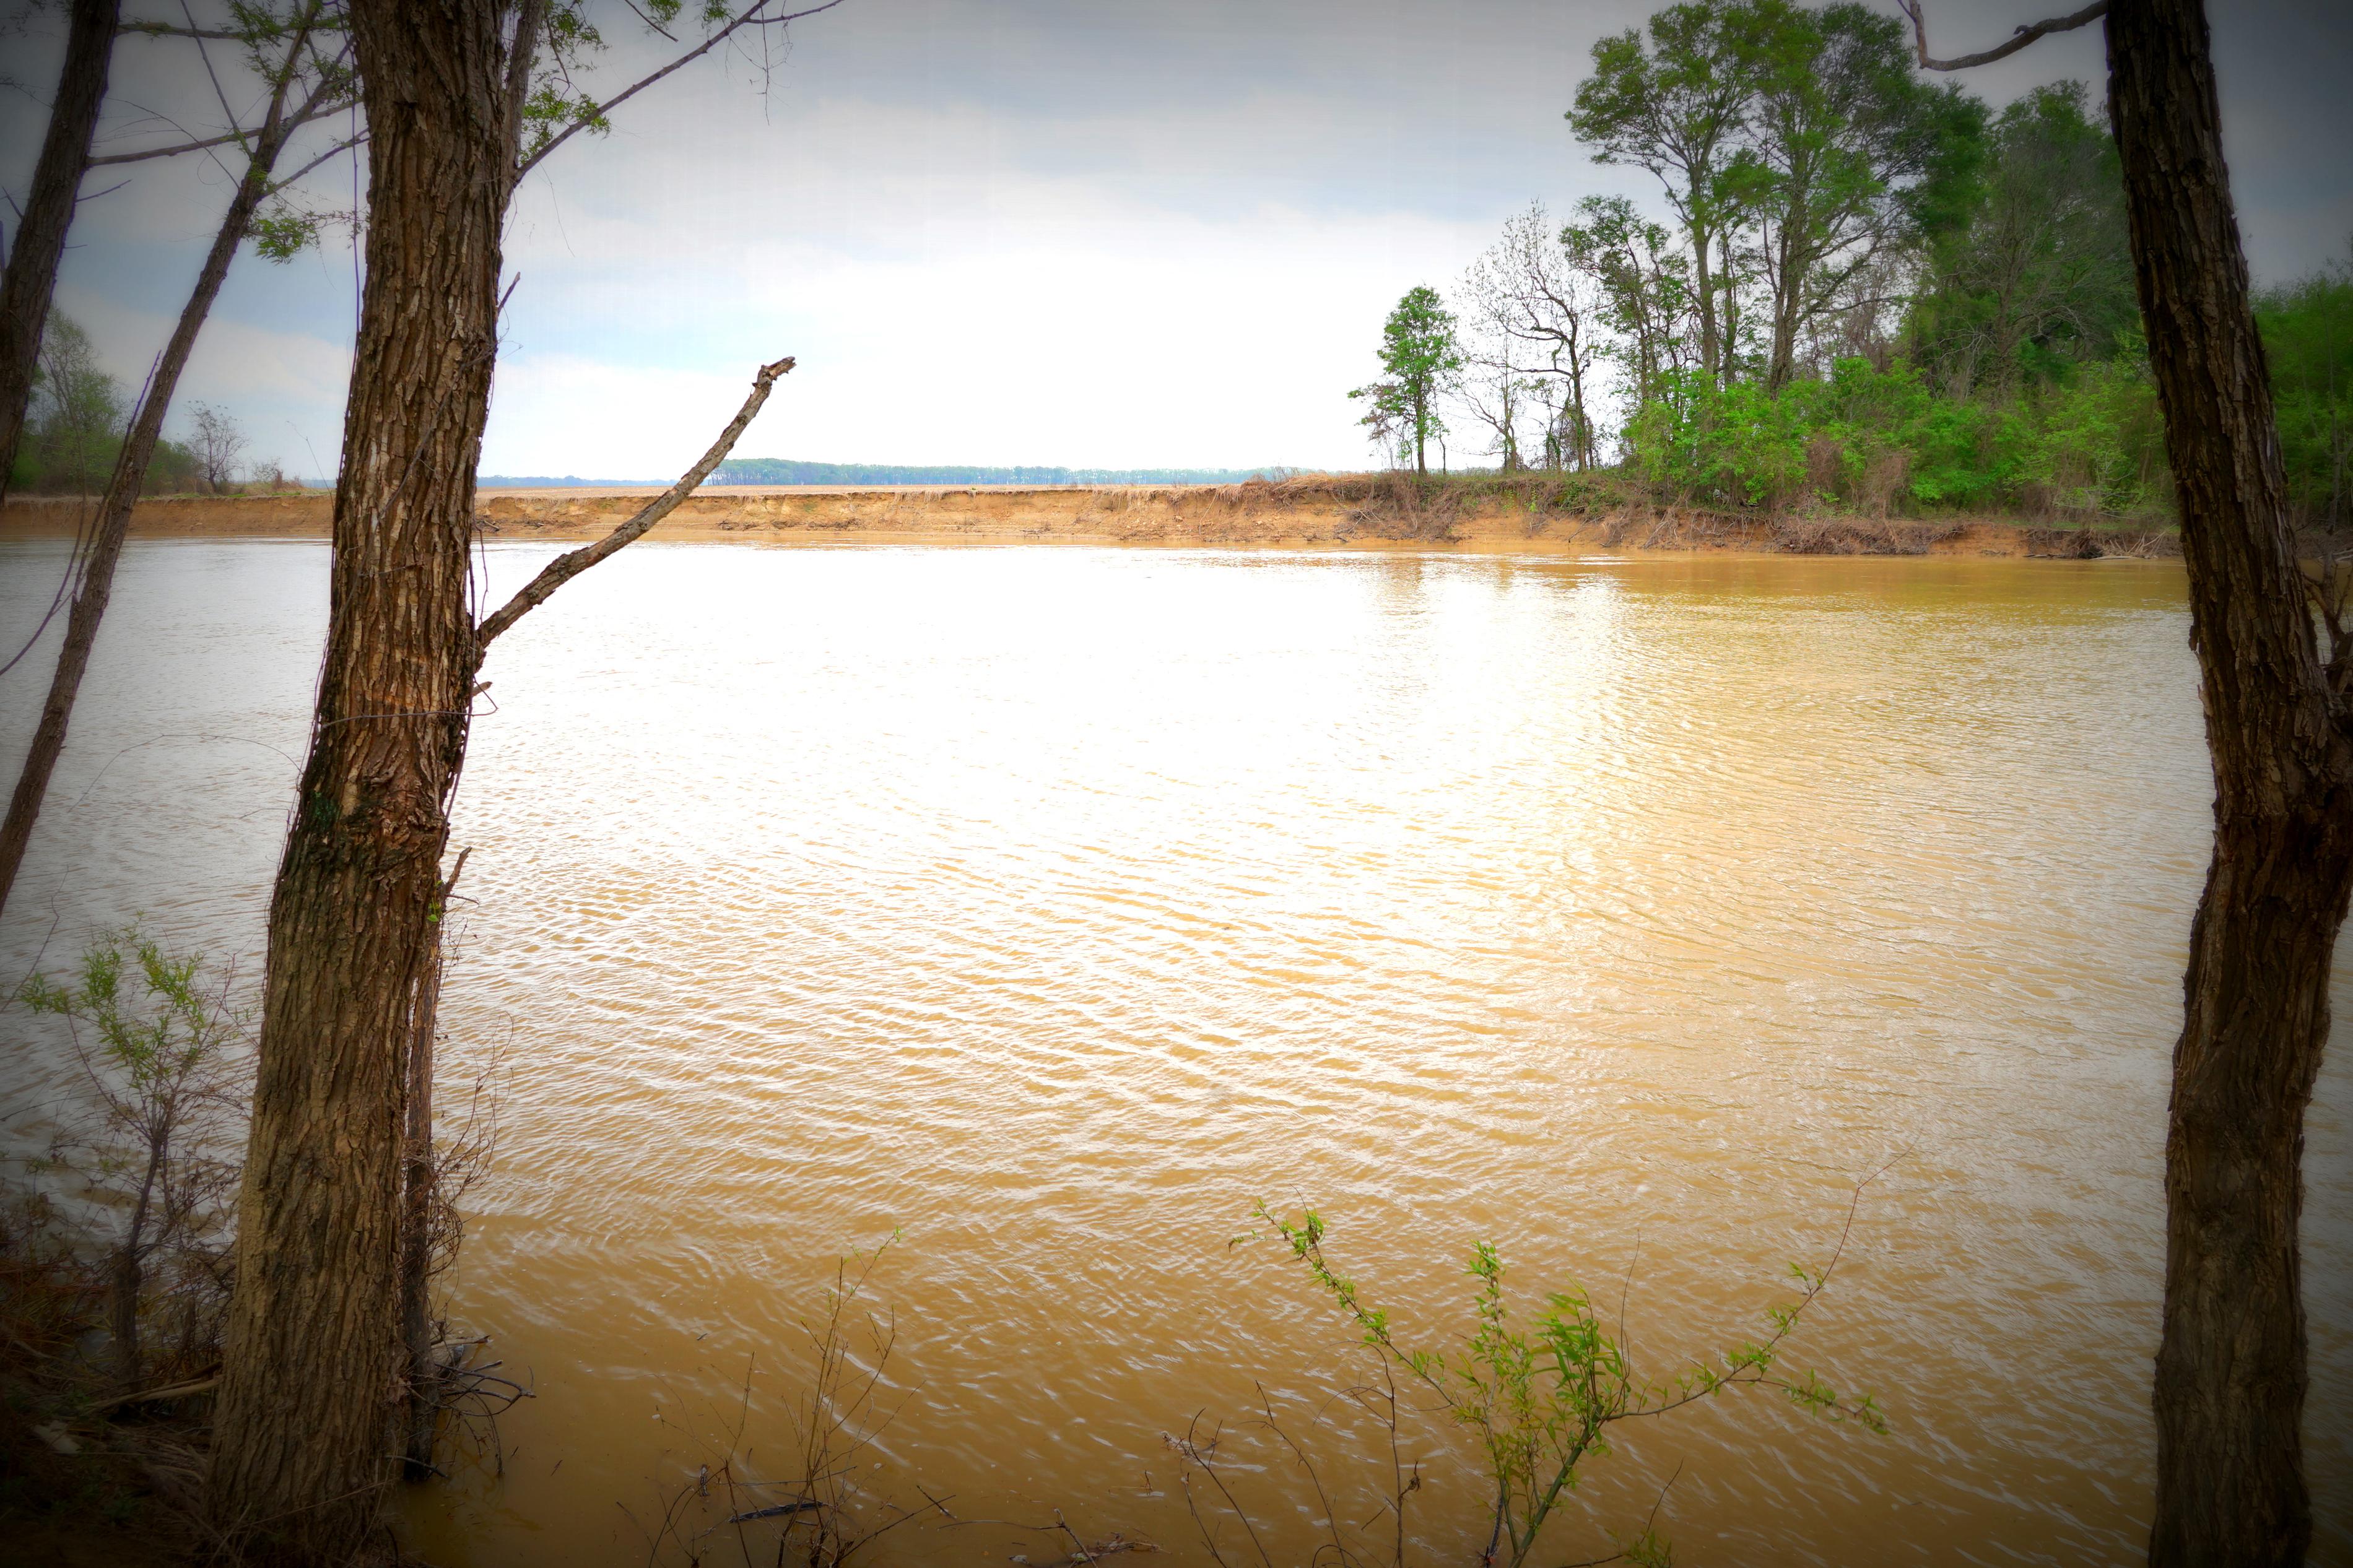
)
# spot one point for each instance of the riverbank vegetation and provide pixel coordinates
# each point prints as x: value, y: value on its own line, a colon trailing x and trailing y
x: 1872, y: 296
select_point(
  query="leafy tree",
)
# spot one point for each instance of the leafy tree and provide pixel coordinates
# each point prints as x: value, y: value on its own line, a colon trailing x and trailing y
x: 1676, y: 107
x: 78, y: 412
x: 1843, y: 154
x: 2307, y: 330
x: 2037, y: 276
x: 1421, y: 359
x: 1647, y: 298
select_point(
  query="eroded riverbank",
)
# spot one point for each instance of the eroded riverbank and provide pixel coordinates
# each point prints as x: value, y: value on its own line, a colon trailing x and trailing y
x: 1345, y: 512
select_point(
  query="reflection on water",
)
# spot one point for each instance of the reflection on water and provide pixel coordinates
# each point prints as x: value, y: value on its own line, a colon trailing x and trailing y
x: 1055, y: 905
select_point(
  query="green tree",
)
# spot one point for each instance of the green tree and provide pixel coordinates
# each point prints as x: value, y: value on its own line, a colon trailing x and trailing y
x: 1844, y: 157
x: 1646, y: 290
x: 1421, y: 358
x: 1676, y: 108
x: 77, y: 413
x: 2037, y: 276
x: 2309, y: 333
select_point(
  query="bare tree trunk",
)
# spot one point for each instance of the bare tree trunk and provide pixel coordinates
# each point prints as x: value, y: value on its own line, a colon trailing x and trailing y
x: 128, y: 1276
x: 416, y: 1204
x: 130, y: 477
x: 315, y: 1374
x: 2231, y: 1365
x: 1728, y: 345
x: 41, y: 233
x: 1709, y: 343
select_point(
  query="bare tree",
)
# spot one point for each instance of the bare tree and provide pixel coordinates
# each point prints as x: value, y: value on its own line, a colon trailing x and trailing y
x: 1555, y: 313
x: 218, y: 443
x: 1490, y: 386
x: 2231, y: 1365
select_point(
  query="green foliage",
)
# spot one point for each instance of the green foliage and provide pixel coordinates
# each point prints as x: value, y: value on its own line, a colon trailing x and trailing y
x: 1845, y: 152
x: 284, y: 231
x: 179, y: 1026
x: 1420, y: 358
x: 2036, y: 275
x: 2308, y: 337
x: 1539, y: 1395
x: 77, y: 420
x: 156, y: 1036
x: 74, y: 428
x: 1885, y: 440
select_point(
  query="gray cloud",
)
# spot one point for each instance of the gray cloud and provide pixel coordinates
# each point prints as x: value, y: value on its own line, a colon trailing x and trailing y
x: 1044, y: 232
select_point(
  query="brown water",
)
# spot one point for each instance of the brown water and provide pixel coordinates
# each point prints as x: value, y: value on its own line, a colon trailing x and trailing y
x: 1051, y: 906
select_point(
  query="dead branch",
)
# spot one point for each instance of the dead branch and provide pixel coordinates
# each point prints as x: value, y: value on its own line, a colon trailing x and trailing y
x: 2017, y: 41
x: 566, y: 567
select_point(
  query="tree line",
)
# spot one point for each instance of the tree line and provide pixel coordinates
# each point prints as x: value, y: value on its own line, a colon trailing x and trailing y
x: 78, y: 420
x: 1869, y: 291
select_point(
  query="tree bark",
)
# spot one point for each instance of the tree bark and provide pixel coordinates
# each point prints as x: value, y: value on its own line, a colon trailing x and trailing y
x: 32, y: 274
x: 2231, y: 1365
x: 113, y: 526
x: 417, y: 1210
x: 1704, y: 279
x: 315, y: 1374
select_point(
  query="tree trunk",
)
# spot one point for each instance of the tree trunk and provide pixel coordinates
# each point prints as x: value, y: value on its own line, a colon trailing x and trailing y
x: 2231, y: 1365
x: 315, y: 1374
x: 417, y: 1200
x: 1705, y: 281
x: 32, y: 273
x: 130, y: 477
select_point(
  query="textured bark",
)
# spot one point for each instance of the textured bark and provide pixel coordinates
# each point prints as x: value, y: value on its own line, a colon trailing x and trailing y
x: 315, y: 1374
x: 96, y: 584
x: 2230, y: 1366
x: 417, y: 1200
x: 32, y: 273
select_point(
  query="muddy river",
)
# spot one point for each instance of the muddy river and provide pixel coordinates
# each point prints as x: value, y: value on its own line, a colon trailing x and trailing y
x: 1049, y: 909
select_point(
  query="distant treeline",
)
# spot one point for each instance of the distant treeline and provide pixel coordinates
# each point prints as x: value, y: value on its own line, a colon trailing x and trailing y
x: 790, y: 471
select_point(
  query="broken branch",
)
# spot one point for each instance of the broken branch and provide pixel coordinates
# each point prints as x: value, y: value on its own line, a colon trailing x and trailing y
x: 2017, y: 41
x: 566, y: 567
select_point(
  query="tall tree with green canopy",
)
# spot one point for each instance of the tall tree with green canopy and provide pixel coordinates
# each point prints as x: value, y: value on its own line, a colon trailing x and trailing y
x: 1844, y: 155
x: 1420, y: 353
x: 1676, y: 107
x: 2038, y: 273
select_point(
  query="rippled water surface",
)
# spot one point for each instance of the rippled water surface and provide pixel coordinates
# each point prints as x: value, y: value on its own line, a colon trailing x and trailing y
x: 1051, y: 906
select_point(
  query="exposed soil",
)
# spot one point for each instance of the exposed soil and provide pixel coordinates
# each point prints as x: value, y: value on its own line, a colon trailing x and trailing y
x: 1517, y: 516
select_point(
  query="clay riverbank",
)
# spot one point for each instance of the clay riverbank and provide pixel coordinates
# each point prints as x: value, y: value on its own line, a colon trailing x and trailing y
x: 1516, y: 516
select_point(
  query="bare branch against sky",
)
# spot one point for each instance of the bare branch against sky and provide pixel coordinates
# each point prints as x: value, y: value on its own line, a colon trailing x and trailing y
x: 1038, y: 233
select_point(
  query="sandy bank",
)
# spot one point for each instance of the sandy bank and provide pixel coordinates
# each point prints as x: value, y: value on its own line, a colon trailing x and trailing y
x: 1343, y: 512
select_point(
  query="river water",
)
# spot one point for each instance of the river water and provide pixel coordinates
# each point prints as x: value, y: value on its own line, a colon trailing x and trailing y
x: 1049, y: 908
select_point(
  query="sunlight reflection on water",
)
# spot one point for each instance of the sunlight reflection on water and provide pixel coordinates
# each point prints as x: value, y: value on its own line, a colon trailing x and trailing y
x: 1054, y: 905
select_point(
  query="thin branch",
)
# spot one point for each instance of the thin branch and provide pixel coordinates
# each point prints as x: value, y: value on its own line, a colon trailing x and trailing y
x: 174, y: 150
x: 2018, y: 40
x: 566, y: 567
x: 750, y: 16
x: 339, y: 148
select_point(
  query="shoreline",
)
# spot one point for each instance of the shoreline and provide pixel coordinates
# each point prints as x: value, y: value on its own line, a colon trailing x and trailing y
x: 1368, y: 512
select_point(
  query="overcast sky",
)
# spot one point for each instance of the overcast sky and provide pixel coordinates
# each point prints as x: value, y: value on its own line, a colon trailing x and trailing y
x: 1116, y: 233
